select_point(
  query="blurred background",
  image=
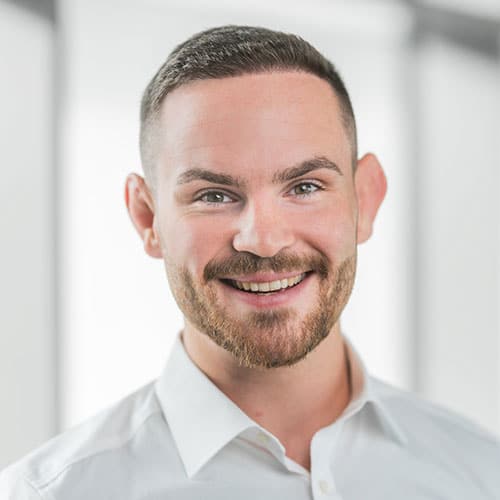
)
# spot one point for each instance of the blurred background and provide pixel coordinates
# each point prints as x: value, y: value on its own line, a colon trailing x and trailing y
x: 86, y: 317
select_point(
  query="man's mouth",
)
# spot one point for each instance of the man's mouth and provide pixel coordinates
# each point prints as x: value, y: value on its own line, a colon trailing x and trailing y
x: 267, y: 287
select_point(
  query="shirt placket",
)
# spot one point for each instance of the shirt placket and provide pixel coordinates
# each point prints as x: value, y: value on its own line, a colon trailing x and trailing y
x: 323, y: 484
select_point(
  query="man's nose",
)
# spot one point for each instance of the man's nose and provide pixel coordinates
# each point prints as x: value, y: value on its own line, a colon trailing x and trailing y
x: 263, y: 230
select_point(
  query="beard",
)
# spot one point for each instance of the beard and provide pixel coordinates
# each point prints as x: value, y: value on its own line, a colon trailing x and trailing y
x: 270, y: 338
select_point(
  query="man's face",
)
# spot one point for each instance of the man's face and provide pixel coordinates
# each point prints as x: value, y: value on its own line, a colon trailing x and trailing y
x: 256, y: 213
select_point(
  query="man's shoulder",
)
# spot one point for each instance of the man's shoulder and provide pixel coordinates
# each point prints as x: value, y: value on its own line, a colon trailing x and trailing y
x: 106, y: 432
x: 441, y: 434
x: 410, y: 405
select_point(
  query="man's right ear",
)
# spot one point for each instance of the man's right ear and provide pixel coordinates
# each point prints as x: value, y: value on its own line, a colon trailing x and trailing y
x: 140, y: 207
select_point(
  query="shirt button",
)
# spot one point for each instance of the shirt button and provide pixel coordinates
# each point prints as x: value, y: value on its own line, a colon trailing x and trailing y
x: 263, y: 438
x: 324, y: 487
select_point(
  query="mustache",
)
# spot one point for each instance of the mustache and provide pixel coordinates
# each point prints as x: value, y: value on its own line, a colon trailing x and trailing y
x: 249, y: 263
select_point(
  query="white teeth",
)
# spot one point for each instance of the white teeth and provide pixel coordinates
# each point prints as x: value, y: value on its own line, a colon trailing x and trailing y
x: 276, y: 285
x: 269, y: 286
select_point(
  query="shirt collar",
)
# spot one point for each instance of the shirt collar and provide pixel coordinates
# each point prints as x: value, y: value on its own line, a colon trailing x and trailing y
x: 202, y: 419
x: 365, y: 391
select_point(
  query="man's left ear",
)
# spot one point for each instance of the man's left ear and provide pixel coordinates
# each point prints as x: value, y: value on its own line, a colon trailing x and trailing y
x: 370, y: 185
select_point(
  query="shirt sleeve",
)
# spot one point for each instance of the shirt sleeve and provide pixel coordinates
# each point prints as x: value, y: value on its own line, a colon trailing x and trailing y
x: 15, y: 487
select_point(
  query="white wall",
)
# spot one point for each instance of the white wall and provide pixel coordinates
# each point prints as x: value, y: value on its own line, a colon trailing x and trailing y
x: 118, y: 317
x: 433, y: 262
x: 459, y: 236
x: 27, y: 228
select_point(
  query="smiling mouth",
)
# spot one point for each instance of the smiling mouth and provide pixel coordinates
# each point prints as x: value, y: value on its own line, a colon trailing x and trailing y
x: 266, y: 288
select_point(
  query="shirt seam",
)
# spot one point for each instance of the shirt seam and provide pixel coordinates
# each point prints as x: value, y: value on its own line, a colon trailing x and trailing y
x: 29, y: 483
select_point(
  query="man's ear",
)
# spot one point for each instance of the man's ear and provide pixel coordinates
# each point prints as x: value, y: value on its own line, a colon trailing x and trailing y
x: 371, y: 185
x: 140, y: 207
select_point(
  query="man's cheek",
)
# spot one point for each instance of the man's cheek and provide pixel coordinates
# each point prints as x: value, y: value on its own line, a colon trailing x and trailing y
x: 196, y: 246
x: 333, y: 232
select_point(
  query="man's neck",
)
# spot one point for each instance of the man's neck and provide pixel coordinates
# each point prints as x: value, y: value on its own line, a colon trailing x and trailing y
x: 292, y: 403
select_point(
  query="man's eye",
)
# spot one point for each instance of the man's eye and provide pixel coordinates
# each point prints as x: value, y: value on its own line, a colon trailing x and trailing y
x: 305, y: 189
x: 215, y: 197
x: 301, y: 190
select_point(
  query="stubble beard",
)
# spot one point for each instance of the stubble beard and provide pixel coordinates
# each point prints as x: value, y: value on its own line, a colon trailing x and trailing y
x: 264, y: 339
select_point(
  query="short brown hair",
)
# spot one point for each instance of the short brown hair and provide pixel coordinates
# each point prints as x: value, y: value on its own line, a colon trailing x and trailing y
x: 228, y: 51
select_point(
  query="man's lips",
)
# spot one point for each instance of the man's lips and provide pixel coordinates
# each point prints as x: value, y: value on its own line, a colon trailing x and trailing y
x: 268, y: 299
x: 263, y: 277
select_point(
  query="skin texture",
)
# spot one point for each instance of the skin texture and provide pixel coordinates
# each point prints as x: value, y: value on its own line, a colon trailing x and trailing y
x: 283, y: 364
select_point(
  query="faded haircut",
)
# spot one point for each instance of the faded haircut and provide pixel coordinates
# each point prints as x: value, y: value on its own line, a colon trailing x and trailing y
x: 229, y: 51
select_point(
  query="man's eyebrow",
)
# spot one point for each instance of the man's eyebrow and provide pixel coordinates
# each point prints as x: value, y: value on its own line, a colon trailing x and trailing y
x: 202, y: 174
x: 304, y: 168
x: 288, y: 174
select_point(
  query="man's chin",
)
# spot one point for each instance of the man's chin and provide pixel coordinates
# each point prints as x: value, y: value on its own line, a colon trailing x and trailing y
x: 268, y: 346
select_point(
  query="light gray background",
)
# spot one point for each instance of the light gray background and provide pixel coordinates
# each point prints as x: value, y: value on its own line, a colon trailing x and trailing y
x: 86, y: 317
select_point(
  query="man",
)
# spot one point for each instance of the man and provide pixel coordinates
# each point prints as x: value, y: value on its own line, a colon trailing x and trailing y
x: 255, y: 199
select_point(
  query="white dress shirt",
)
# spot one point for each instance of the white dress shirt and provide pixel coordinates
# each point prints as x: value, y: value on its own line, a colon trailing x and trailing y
x: 180, y: 437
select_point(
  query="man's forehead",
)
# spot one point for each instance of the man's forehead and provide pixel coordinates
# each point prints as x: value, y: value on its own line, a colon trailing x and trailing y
x: 275, y: 119
x: 250, y: 97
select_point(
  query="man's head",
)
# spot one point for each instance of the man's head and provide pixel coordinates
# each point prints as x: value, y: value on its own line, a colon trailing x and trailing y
x: 257, y: 209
